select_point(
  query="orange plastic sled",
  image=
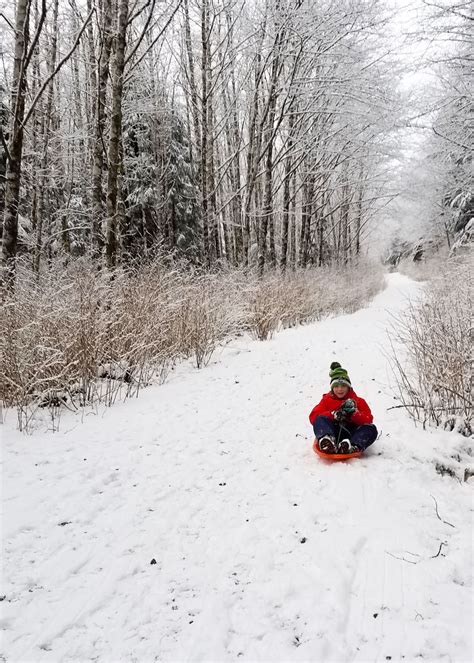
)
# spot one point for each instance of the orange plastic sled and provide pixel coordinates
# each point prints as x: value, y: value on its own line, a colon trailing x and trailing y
x: 317, y: 450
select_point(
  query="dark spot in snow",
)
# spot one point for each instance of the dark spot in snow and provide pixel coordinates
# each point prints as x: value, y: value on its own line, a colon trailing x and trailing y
x: 65, y: 522
x: 388, y: 658
x: 84, y: 459
x: 236, y: 382
x: 2, y: 598
x: 295, y: 504
x: 223, y: 484
x: 303, y: 540
x: 246, y: 520
x: 153, y: 561
x: 375, y: 615
x: 191, y: 621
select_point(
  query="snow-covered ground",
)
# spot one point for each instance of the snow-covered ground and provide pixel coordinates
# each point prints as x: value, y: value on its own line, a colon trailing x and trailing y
x: 196, y: 523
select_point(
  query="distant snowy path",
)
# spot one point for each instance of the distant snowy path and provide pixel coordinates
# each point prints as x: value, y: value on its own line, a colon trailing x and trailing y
x: 263, y: 551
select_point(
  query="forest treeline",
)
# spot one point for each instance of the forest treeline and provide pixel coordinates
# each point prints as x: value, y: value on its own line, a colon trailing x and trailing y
x: 253, y: 134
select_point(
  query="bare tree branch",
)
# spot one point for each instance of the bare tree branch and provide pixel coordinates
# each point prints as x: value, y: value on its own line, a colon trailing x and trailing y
x: 57, y: 69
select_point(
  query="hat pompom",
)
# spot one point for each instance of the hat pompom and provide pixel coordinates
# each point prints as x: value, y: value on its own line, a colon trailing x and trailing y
x: 335, y: 364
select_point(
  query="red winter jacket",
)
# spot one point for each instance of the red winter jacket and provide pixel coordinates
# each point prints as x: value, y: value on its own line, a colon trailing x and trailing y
x: 329, y: 403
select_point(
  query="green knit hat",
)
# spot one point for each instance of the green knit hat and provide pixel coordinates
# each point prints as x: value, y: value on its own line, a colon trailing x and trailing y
x: 339, y: 376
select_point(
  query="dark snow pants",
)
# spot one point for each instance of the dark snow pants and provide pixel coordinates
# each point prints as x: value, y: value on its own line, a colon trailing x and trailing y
x: 360, y: 436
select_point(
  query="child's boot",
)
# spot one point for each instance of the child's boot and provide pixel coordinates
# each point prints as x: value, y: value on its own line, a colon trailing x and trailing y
x: 327, y: 444
x: 345, y: 447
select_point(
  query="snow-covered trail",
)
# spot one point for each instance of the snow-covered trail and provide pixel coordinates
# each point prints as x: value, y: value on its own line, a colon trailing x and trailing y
x: 263, y: 551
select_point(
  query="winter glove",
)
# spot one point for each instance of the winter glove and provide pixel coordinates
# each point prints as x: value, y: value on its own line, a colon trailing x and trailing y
x: 348, y: 407
x: 339, y: 415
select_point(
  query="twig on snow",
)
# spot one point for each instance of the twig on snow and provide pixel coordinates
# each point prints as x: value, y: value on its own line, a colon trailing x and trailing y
x: 443, y: 543
x: 402, y: 559
x: 437, y: 513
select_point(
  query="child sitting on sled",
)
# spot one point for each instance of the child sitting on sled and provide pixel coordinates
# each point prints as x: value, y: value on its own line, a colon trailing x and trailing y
x: 342, y: 421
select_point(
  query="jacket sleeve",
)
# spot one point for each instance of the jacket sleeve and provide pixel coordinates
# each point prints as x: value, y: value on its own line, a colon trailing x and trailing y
x: 321, y: 409
x: 363, y: 414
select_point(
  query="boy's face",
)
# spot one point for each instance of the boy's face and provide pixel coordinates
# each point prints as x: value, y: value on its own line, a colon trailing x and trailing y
x: 340, y: 390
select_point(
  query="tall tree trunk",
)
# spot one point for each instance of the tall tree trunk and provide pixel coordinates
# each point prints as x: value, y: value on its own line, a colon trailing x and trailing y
x: 359, y: 211
x: 292, y: 221
x: 205, y: 130
x: 267, y: 215
x: 286, y: 192
x: 237, y: 196
x: 99, y: 139
x: 192, y: 78
x: 269, y: 141
x: 215, y: 243
x: 91, y: 74
x: 43, y: 193
x: 253, y: 150
x: 114, y: 153
x: 15, y: 146
x: 344, y: 222
x: 306, y: 209
x: 321, y: 219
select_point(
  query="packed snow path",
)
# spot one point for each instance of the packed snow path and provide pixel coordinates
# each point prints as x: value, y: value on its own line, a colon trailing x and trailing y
x: 196, y: 523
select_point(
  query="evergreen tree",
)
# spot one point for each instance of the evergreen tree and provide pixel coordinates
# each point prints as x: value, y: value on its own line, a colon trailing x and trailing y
x: 181, y: 193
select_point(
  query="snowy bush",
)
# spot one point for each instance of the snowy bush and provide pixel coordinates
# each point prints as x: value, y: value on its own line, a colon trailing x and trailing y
x: 435, y: 378
x: 306, y: 295
x: 207, y: 314
x: 425, y: 269
x: 75, y: 336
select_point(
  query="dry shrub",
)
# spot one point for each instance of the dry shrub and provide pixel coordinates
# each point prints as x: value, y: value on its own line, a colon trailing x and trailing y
x: 435, y: 379
x: 425, y: 269
x: 76, y: 336
x: 207, y: 315
x: 306, y: 295
x: 265, y: 306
